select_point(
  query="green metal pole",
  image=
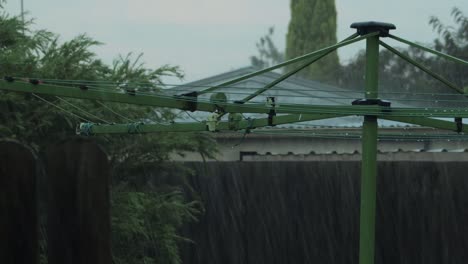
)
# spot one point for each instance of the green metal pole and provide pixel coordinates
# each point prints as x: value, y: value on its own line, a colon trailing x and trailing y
x: 369, y: 159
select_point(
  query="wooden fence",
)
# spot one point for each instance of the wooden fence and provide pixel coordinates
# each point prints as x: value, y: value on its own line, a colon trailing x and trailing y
x: 77, y: 210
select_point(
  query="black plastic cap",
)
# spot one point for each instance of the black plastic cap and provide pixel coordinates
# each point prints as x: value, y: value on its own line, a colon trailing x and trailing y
x: 364, y: 28
x: 371, y: 102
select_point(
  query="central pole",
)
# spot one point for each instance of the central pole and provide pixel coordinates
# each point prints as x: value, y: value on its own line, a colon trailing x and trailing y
x: 369, y: 139
x: 369, y: 158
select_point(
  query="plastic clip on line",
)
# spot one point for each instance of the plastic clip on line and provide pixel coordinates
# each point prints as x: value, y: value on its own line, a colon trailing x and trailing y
x: 212, y: 122
x: 134, y: 128
x: 85, y: 129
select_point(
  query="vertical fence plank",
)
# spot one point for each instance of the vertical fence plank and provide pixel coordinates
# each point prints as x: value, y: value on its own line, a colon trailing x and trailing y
x: 18, y: 210
x: 78, y: 203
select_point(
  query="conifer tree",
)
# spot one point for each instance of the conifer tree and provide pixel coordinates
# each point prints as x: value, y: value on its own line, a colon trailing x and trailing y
x: 312, y: 27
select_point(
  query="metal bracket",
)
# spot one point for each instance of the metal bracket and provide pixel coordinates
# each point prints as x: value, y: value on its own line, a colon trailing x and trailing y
x: 271, y: 102
x: 134, y: 128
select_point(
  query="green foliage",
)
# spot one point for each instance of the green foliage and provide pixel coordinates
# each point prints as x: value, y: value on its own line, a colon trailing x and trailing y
x: 269, y: 54
x: 453, y: 41
x: 148, y: 221
x: 312, y: 27
x: 147, y: 207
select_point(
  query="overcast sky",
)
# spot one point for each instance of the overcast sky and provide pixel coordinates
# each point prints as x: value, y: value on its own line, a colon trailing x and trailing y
x: 207, y: 37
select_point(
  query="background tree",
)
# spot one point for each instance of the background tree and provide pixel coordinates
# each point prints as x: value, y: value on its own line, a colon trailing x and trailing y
x: 147, y: 208
x: 268, y: 53
x: 313, y: 26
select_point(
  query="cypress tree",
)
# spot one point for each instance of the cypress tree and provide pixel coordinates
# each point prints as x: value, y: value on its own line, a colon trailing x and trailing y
x: 312, y: 27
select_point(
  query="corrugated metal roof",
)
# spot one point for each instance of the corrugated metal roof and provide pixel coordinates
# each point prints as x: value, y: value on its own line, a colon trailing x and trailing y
x: 443, y: 156
x: 358, y: 152
x: 293, y: 90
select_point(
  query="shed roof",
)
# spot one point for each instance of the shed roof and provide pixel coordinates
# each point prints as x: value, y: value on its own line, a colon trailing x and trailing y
x: 293, y: 90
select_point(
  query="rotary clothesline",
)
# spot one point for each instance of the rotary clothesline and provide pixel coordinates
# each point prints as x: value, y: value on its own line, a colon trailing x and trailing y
x: 371, y: 107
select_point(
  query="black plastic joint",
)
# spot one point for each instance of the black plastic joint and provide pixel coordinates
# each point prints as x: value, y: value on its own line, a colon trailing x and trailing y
x: 83, y: 87
x: 9, y: 79
x: 364, y: 28
x: 191, y: 101
x: 271, y: 114
x: 130, y: 92
x: 459, y: 122
x: 372, y: 102
x: 34, y: 81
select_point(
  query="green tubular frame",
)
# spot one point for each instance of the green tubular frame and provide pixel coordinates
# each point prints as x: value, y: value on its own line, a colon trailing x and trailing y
x: 330, y: 133
x: 254, y: 123
x: 158, y: 100
x: 88, y: 128
x: 429, y: 122
x: 369, y: 158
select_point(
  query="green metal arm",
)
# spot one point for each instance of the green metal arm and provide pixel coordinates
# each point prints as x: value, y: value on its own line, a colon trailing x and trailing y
x: 291, y: 73
x: 301, y: 58
x: 356, y: 135
x: 181, y: 103
x: 423, y: 68
x: 435, y: 52
x: 89, y: 129
x: 429, y: 122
